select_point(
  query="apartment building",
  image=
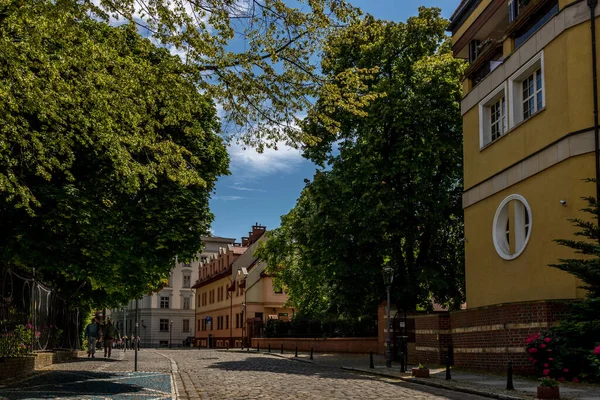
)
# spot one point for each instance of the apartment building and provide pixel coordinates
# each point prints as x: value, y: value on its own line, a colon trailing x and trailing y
x: 234, y: 296
x: 167, y: 317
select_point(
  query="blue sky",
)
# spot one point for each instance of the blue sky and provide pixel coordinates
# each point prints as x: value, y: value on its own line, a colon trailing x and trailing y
x: 263, y: 187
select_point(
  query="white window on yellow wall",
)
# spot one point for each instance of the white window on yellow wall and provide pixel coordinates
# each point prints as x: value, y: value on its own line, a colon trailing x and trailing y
x: 512, y: 226
x: 527, y: 93
x: 493, y: 116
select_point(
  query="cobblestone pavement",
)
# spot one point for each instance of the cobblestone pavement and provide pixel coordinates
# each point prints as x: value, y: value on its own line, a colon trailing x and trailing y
x: 209, y: 374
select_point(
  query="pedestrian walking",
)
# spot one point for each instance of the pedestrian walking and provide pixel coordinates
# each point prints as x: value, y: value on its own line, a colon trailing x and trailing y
x: 92, y: 333
x: 138, y: 343
x: 125, y: 338
x: 110, y: 334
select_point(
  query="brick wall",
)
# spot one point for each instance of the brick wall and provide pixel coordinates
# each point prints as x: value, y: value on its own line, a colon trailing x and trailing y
x: 432, y: 338
x: 488, y: 337
x: 12, y: 367
x: 329, y: 345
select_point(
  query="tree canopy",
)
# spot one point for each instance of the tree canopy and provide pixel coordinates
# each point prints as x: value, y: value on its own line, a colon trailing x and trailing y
x: 256, y: 58
x: 108, y: 153
x: 391, y: 190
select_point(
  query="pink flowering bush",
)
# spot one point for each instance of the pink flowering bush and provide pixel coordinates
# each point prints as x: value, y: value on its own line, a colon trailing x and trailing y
x: 17, y: 342
x: 545, y: 357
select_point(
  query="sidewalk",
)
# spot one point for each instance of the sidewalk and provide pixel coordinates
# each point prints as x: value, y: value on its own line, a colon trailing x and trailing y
x: 482, y: 384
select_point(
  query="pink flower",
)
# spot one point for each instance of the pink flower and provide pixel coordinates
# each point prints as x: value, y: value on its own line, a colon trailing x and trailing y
x: 546, y: 371
x: 543, y: 346
x: 532, y: 350
x: 550, y: 359
x: 561, y: 379
x: 597, y: 350
x: 566, y: 370
x: 548, y: 340
x: 536, y: 336
x: 575, y: 380
x: 546, y: 365
x: 529, y: 340
x: 531, y: 359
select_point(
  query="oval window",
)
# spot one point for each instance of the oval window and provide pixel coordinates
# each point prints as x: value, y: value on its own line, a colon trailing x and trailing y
x: 512, y: 227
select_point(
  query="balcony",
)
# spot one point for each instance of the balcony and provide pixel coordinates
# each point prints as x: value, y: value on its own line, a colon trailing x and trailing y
x: 527, y: 16
x: 488, y: 57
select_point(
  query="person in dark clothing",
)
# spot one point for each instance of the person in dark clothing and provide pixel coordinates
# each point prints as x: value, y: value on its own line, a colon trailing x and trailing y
x: 92, y: 333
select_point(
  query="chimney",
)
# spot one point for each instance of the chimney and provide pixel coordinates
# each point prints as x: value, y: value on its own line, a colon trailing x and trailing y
x: 245, y: 241
x: 257, y: 232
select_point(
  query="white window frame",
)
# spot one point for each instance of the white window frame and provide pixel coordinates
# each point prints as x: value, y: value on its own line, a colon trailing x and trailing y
x: 485, y: 108
x: 515, y: 89
x: 189, y: 303
x: 167, y: 302
x: 499, y: 227
x: 183, y: 283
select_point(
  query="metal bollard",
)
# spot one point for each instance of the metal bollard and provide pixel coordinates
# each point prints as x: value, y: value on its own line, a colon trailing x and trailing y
x: 281, y: 348
x: 311, y: 352
x: 258, y: 347
x: 371, y: 363
x: 227, y: 346
x: 296, y: 354
x: 248, y: 347
x: 448, y: 376
x: 509, y: 378
x: 269, y: 347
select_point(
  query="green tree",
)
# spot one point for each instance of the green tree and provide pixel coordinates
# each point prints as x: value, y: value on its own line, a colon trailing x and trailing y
x: 254, y: 57
x: 579, y: 330
x: 108, y: 153
x: 392, y: 191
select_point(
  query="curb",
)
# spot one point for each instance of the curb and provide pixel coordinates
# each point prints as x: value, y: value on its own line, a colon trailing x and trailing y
x: 425, y: 382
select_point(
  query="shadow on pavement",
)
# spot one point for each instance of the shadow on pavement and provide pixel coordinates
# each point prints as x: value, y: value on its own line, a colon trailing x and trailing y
x: 78, y: 384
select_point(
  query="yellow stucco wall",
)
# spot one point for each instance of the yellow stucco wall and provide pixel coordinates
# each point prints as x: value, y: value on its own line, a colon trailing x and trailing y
x: 491, y: 279
x: 567, y: 74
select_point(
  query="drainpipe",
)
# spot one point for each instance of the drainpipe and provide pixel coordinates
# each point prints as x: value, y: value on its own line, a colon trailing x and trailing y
x: 592, y: 5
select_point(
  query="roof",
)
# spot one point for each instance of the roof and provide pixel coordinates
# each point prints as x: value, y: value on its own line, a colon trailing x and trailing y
x: 461, y: 12
x: 239, y: 250
x: 217, y: 239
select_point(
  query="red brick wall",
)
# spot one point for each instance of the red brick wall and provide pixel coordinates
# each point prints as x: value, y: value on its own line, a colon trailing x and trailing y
x: 488, y: 337
x: 330, y: 345
x: 432, y: 335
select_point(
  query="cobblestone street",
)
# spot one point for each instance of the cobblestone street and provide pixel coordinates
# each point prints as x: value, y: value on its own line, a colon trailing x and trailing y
x: 206, y: 374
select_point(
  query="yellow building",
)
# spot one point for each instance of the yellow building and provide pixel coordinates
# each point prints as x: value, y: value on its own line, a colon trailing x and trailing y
x: 528, y: 127
x: 234, y: 296
x: 528, y: 143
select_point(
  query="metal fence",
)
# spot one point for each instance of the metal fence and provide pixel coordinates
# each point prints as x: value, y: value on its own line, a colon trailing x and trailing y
x: 33, y: 317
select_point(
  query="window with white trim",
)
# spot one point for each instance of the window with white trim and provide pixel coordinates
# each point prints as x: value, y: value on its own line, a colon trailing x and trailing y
x: 186, y: 303
x: 187, y: 281
x: 526, y: 87
x: 512, y: 227
x: 493, y: 116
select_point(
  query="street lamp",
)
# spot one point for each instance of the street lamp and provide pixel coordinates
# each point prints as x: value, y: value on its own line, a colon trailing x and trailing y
x: 388, y: 278
x: 171, y: 333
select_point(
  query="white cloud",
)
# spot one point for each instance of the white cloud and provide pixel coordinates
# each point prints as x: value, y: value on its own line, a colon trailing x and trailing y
x: 246, y: 189
x: 228, y: 198
x: 247, y: 163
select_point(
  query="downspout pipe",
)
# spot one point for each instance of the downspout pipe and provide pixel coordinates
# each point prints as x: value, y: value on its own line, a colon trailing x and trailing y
x: 592, y: 5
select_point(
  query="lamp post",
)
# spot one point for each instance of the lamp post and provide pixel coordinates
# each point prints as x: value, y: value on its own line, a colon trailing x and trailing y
x: 170, y: 333
x: 243, y: 325
x: 388, y: 278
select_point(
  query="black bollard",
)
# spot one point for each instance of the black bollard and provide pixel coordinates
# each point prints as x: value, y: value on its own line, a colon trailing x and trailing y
x: 371, y: 363
x: 258, y: 346
x: 448, y: 376
x: 248, y: 347
x: 281, y: 348
x: 509, y: 378
x: 227, y: 346
x: 311, y: 352
x: 296, y: 354
x: 269, y: 347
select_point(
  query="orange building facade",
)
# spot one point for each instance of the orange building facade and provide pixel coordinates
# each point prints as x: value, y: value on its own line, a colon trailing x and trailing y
x: 235, y: 297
